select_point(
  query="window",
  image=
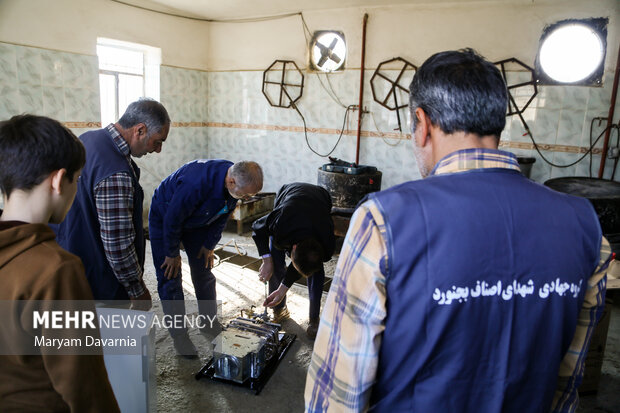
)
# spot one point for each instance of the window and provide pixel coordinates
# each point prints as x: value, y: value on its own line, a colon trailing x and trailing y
x: 573, y: 52
x: 127, y: 72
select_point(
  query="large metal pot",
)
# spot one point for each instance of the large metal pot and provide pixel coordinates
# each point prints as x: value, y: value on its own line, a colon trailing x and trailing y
x: 604, y: 196
x: 347, y: 190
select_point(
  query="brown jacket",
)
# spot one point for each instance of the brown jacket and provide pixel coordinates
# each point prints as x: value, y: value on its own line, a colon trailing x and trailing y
x: 34, y: 267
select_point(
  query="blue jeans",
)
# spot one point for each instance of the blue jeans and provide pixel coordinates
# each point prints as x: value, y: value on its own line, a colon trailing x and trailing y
x: 315, y: 281
x: 171, y: 291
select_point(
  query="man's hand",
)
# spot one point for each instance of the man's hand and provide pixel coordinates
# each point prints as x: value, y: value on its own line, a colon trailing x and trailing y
x: 172, y: 267
x: 276, y: 296
x: 208, y: 255
x: 142, y: 302
x: 266, y: 269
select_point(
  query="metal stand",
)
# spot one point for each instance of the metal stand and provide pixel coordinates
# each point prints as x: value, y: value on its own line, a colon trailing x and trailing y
x: 257, y: 384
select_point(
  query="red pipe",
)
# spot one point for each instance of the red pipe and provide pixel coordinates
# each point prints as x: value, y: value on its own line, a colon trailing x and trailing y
x: 610, y: 117
x: 359, y: 118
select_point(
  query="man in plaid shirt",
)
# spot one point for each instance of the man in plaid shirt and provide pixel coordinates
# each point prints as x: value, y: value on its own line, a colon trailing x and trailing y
x: 104, y: 226
x: 472, y: 290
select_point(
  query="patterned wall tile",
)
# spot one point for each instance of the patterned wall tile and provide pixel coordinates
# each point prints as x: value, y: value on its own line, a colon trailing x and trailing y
x: 8, y: 63
x: 564, y: 159
x: 28, y: 66
x: 545, y: 124
x: 599, y: 98
x: 80, y: 71
x: 541, y: 170
x: 570, y: 129
x: 576, y: 97
x: 9, y: 100
x: 51, y: 68
x: 54, y: 102
x: 31, y: 99
x: 82, y: 105
x: 517, y: 129
x: 550, y: 97
x: 588, y: 166
x: 559, y: 118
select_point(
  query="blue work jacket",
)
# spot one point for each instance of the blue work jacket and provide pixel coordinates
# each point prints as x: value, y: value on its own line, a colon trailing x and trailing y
x: 192, y: 198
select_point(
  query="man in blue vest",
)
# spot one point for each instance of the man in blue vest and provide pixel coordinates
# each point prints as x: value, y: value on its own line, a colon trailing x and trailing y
x: 104, y: 225
x: 473, y: 290
x: 192, y: 206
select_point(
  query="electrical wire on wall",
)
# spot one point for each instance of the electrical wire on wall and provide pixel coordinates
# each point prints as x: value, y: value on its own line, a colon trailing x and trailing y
x: 332, y: 94
x: 615, y: 156
x: 294, y: 106
x: 529, y: 133
x: 202, y: 19
x: 600, y: 119
x: 346, y: 115
x: 372, y: 116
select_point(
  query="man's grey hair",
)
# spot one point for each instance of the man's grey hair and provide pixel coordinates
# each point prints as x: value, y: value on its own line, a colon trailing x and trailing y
x: 247, y: 173
x: 148, y: 111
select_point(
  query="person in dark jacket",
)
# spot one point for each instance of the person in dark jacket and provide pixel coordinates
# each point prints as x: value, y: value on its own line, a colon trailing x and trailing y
x: 301, y: 226
x: 191, y: 206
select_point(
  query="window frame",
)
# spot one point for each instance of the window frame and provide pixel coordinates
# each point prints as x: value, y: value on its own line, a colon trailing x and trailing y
x: 151, y: 58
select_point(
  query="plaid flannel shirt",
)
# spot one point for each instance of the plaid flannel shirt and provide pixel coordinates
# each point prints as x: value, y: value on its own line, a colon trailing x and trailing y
x: 114, y: 202
x: 344, y: 362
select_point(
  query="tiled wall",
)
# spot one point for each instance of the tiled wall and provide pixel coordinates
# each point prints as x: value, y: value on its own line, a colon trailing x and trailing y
x: 225, y: 115
x: 242, y: 125
x: 183, y: 93
x: 559, y: 118
x: 65, y: 86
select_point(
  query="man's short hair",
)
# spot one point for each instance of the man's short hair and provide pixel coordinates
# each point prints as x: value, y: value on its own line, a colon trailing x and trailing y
x: 308, y: 256
x: 148, y: 111
x: 32, y: 147
x: 460, y: 91
x: 247, y: 173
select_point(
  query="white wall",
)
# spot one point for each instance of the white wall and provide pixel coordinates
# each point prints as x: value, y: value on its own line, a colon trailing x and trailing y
x: 498, y: 30
x: 74, y: 25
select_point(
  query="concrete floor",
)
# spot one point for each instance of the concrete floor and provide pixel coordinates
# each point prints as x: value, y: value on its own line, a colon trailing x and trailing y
x: 237, y: 288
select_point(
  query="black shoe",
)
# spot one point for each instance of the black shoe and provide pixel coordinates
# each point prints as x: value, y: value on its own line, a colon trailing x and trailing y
x: 313, y: 328
x: 184, y: 347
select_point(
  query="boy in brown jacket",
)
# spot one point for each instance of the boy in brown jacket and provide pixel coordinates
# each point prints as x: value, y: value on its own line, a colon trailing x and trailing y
x: 40, y: 163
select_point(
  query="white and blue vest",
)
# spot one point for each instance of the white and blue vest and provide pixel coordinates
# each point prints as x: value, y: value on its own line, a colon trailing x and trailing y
x: 486, y: 275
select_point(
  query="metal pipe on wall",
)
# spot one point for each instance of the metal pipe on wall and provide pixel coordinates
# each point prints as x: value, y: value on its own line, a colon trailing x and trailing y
x: 610, y: 117
x: 360, y: 108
